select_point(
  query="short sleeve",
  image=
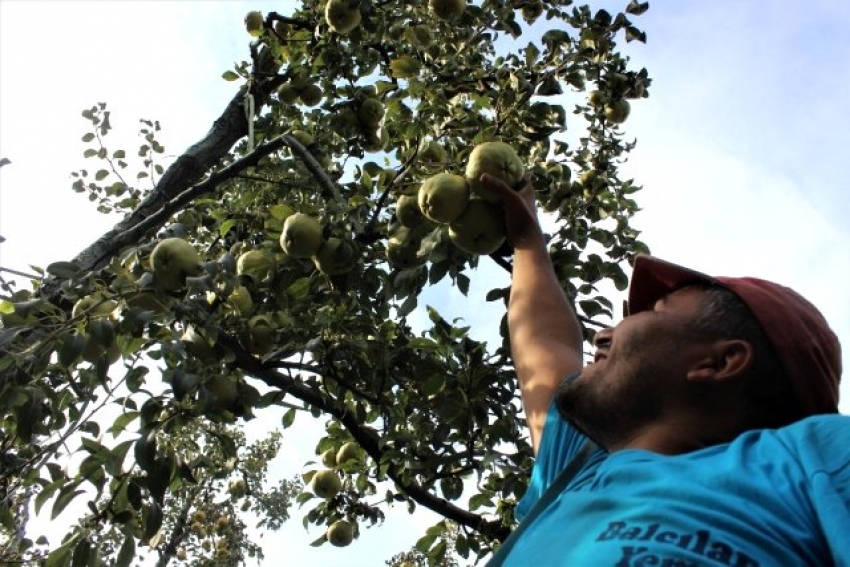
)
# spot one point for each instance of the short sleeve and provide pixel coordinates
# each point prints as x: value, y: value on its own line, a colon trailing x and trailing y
x: 822, y: 445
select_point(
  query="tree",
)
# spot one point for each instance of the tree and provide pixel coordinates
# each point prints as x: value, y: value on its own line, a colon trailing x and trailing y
x: 267, y: 270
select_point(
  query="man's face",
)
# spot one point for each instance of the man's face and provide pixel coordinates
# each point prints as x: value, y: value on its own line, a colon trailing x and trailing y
x: 638, y: 372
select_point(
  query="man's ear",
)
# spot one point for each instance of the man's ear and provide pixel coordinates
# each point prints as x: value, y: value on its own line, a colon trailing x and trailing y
x: 725, y: 360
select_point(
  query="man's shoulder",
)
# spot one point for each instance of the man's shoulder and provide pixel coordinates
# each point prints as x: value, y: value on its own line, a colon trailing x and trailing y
x: 821, y: 441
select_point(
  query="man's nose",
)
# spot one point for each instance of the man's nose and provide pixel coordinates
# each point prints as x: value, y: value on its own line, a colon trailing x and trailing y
x: 602, y: 339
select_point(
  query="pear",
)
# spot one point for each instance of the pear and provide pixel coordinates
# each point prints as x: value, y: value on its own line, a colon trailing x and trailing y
x: 342, y: 16
x: 240, y: 300
x: 173, y: 260
x: 222, y: 393
x: 499, y: 160
x: 348, y: 452
x: 443, y: 197
x: 371, y: 112
x: 617, y: 111
x: 340, y: 533
x: 433, y: 152
x: 447, y: 9
x: 258, y: 265
x: 329, y: 458
x: 311, y: 95
x: 335, y: 257
x: 596, y: 98
x: 301, y: 236
x: 254, y: 23
x: 261, y: 330
x: 480, y: 229
x: 408, y: 212
x: 403, y: 248
x: 288, y: 93
x: 325, y: 484
x: 376, y: 141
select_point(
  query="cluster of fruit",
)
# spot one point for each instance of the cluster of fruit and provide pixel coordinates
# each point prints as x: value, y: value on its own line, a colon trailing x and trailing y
x: 303, y: 237
x: 468, y: 208
x: 199, y: 527
x: 326, y: 484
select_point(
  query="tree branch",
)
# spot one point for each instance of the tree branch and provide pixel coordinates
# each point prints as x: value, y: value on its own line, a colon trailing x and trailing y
x: 364, y: 436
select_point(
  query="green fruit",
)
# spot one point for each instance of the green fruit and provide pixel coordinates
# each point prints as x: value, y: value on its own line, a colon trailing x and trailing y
x: 288, y: 93
x: 408, y: 212
x: 480, y: 229
x: 222, y: 393
x: 371, y: 112
x: 532, y: 11
x: 419, y: 35
x: 94, y: 350
x: 261, y: 330
x: 348, y: 452
x: 617, y: 111
x: 259, y: 265
x: 433, y: 153
x: 376, y: 141
x: 240, y: 300
x: 173, y: 260
x: 340, y: 533
x: 325, y: 484
x: 302, y: 236
x: 342, y: 16
x: 238, y: 487
x: 443, y: 197
x: 596, y: 98
x: 447, y: 9
x: 403, y: 249
x: 254, y: 23
x: 311, y: 95
x: 499, y: 160
x: 335, y: 257
x: 329, y: 458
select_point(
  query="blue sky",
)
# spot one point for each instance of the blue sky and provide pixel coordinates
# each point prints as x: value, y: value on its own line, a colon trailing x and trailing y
x: 741, y: 149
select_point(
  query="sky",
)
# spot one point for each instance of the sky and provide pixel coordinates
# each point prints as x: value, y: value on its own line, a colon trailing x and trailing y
x: 741, y: 149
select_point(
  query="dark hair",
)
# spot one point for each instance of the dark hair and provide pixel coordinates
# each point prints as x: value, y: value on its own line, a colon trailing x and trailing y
x: 772, y: 401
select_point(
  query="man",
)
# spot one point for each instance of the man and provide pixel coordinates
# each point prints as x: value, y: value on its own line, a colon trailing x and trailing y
x: 713, y: 408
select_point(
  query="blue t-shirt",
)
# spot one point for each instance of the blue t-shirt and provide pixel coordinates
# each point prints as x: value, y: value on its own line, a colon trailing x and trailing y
x: 770, y: 498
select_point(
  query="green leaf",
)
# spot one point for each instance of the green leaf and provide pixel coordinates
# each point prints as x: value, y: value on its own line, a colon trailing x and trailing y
x: 47, y: 492
x: 127, y: 552
x: 66, y: 495
x: 226, y: 226
x: 637, y: 8
x: 119, y: 154
x: 59, y: 557
x: 88, y: 137
x: 288, y: 418
x: 229, y: 76
x: 101, y: 175
x: 299, y: 288
x: 64, y: 270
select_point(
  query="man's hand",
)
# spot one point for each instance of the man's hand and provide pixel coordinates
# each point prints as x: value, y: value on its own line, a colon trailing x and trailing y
x: 523, y: 229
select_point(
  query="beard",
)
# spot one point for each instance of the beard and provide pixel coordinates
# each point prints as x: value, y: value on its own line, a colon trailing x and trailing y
x: 608, y: 406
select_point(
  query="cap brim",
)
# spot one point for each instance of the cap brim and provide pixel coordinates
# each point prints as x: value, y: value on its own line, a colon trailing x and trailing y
x: 653, y: 278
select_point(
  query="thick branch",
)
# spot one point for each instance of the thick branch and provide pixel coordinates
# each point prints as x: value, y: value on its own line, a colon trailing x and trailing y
x: 365, y: 437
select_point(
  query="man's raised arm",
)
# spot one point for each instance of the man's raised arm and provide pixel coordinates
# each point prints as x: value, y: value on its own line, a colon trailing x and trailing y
x: 545, y: 335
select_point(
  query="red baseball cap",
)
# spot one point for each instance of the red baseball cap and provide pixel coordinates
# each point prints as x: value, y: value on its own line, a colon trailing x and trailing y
x: 808, y: 348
